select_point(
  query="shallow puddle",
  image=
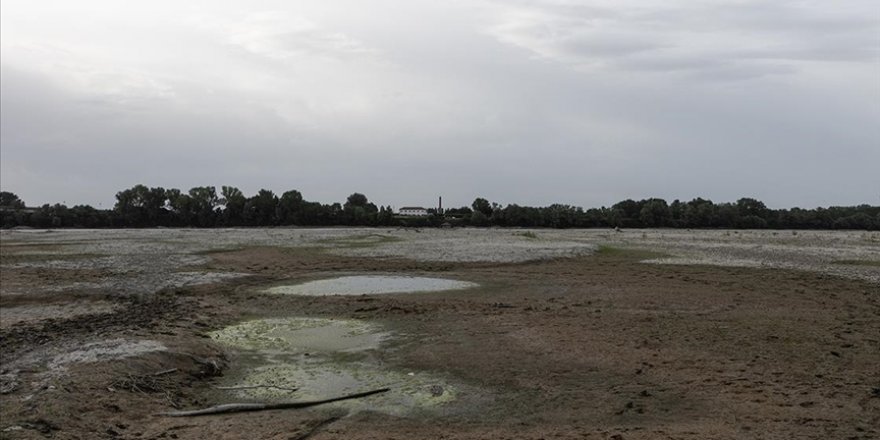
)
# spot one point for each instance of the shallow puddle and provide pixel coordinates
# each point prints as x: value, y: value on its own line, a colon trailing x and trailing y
x: 372, y: 284
x: 317, y: 380
x: 316, y: 358
x: 302, y: 335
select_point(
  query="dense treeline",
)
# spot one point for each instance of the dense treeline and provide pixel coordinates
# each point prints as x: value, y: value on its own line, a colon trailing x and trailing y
x: 204, y: 207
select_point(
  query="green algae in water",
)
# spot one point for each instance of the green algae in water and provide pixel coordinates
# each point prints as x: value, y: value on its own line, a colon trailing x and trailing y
x: 322, y: 358
x: 409, y: 391
x: 296, y: 335
x: 372, y: 284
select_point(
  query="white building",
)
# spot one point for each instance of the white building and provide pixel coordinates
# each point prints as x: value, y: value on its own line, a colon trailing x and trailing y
x: 414, y: 211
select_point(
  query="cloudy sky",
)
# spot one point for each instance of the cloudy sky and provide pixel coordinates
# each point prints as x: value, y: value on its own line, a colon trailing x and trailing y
x: 579, y: 102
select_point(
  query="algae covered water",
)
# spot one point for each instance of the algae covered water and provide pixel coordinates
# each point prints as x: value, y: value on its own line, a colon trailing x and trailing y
x: 291, y: 336
x: 315, y: 358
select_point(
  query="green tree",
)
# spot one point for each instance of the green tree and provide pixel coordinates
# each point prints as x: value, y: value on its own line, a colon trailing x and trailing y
x: 385, y: 216
x: 698, y: 213
x: 751, y: 222
x: 203, y: 201
x: 356, y: 199
x: 141, y: 206
x: 628, y: 212
x: 482, y: 205
x: 10, y: 200
x: 561, y: 216
x: 85, y: 216
x: 233, y: 201
x: 748, y: 206
x: 289, y: 207
x: 358, y: 210
x: 259, y: 210
x: 181, y: 206
x: 725, y: 215
x: 655, y: 213
x: 857, y: 221
x: 478, y: 218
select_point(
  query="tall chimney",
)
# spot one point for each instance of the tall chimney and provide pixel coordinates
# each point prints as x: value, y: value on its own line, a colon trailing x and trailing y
x: 440, y: 206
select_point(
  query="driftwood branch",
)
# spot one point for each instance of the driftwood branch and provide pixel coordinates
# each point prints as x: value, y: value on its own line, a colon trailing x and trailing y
x: 246, y: 407
x: 251, y: 387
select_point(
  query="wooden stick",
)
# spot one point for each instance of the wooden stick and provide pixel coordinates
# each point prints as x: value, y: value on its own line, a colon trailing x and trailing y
x: 246, y: 407
x: 250, y: 387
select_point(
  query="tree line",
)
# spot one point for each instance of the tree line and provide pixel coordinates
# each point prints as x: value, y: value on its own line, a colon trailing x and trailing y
x: 141, y: 206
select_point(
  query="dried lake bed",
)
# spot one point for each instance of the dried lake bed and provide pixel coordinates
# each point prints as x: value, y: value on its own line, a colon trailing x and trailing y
x: 573, y: 333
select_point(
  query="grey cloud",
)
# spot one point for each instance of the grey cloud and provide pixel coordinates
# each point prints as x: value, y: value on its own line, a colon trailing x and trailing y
x: 283, y: 36
x: 696, y: 67
x: 533, y: 103
x: 699, y: 39
x: 604, y: 44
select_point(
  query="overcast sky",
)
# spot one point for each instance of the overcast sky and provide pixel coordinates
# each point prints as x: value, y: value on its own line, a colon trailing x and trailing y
x: 578, y: 102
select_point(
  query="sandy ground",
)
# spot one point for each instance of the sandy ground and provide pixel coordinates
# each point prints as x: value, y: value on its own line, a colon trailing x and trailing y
x: 571, y: 334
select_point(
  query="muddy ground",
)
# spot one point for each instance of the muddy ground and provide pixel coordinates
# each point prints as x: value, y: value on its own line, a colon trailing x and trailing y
x: 598, y: 344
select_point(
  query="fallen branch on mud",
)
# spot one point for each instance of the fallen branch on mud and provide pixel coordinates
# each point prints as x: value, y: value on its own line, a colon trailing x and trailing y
x: 145, y: 383
x: 158, y: 382
x: 247, y: 407
x: 251, y: 387
x: 142, y: 382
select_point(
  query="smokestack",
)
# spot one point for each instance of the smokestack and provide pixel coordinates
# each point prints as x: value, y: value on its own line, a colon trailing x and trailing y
x: 440, y: 206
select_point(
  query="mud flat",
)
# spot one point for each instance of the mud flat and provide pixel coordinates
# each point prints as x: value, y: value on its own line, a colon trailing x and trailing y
x: 632, y: 334
x: 472, y: 245
x: 850, y: 254
x: 13, y: 315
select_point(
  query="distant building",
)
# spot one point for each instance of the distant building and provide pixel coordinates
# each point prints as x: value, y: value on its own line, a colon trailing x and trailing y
x: 413, y: 211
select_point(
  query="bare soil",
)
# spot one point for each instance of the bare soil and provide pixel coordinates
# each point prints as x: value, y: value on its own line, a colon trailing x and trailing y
x: 598, y: 346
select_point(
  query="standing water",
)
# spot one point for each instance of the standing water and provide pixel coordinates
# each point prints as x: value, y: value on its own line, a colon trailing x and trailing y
x: 316, y: 358
x: 372, y: 284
